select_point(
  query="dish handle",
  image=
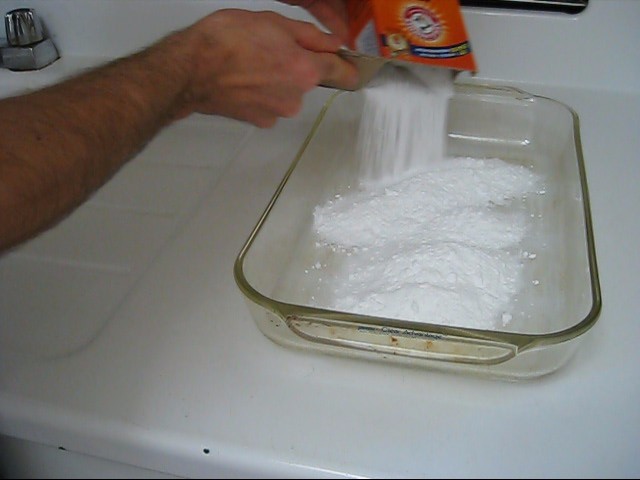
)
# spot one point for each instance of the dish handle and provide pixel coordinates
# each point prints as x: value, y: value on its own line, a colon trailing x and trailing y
x: 401, y: 341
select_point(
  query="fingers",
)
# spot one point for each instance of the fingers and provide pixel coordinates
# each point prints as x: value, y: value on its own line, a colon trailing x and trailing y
x: 265, y: 76
x: 331, y: 13
x: 310, y: 37
x: 336, y: 72
x: 333, y: 70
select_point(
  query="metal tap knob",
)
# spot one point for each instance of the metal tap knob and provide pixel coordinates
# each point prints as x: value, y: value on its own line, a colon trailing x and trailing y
x: 23, y: 27
x: 28, y: 47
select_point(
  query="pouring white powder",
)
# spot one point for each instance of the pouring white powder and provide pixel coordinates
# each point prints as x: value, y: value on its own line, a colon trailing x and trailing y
x: 403, y: 125
x: 423, y: 237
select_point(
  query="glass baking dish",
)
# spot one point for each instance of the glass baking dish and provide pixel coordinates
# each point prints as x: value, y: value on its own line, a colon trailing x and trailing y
x: 483, y: 122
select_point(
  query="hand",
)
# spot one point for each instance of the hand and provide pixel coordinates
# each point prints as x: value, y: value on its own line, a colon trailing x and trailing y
x: 257, y: 66
x: 73, y: 136
x: 331, y: 13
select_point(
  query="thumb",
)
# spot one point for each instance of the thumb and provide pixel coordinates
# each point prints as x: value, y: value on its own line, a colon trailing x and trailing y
x: 310, y: 37
x: 336, y: 72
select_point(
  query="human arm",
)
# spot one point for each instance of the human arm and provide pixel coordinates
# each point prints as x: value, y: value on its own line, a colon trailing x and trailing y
x: 73, y: 136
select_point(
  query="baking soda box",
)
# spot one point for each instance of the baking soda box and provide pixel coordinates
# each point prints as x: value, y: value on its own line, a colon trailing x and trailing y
x: 423, y: 31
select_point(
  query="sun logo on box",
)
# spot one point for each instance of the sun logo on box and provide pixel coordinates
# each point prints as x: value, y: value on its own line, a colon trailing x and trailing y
x: 423, y: 23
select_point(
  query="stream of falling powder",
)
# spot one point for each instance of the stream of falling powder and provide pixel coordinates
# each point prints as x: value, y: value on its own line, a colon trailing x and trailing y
x: 423, y: 237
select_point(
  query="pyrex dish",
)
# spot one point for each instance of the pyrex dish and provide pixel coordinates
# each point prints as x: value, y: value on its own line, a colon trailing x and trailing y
x: 483, y: 122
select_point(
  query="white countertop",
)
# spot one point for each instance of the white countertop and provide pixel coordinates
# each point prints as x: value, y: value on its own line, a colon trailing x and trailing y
x: 169, y: 372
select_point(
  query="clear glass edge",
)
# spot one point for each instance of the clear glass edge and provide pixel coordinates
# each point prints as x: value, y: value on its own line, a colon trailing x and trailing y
x: 518, y: 342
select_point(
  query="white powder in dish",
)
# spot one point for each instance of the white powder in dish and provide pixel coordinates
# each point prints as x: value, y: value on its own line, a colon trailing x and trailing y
x: 448, y: 200
x: 423, y: 237
x: 438, y: 247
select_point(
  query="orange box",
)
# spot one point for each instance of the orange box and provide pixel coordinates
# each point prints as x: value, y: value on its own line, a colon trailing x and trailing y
x: 423, y: 31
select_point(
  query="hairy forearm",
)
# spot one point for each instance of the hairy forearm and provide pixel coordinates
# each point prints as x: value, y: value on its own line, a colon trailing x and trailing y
x: 59, y: 144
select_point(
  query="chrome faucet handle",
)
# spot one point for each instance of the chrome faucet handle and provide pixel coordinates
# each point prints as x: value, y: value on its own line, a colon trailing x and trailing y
x: 28, y: 46
x: 23, y: 27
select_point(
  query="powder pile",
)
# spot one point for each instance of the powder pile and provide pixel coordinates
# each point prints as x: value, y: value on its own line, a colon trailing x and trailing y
x: 423, y: 237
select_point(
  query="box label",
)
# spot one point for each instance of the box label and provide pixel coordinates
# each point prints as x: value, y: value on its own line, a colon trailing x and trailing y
x: 424, y: 31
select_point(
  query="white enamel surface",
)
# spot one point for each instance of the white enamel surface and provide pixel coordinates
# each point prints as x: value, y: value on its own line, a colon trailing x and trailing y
x: 124, y: 336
